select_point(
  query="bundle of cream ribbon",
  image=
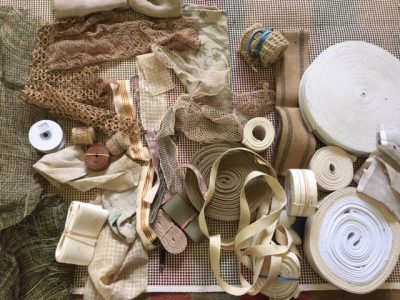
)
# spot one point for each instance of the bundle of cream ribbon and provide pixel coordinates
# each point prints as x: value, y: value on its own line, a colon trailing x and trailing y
x: 348, y: 92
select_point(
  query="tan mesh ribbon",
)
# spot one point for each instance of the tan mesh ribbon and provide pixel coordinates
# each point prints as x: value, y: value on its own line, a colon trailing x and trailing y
x: 123, y: 102
x: 296, y: 145
x: 253, y: 244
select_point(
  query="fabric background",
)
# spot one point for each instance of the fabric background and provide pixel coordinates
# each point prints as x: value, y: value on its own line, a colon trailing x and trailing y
x: 329, y: 22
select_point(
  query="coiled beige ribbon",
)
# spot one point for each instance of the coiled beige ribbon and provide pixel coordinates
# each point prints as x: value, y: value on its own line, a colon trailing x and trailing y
x: 352, y: 241
x: 225, y: 204
x: 82, y: 227
x: 258, y: 134
x: 301, y: 191
x: 333, y: 168
x: 254, y: 245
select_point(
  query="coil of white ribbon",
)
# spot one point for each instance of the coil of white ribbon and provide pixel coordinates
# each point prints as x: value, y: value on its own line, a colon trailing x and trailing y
x: 352, y: 241
x: 258, y: 134
x: 333, y: 168
x: 46, y: 136
x: 301, y: 192
x: 348, y: 92
x: 82, y: 228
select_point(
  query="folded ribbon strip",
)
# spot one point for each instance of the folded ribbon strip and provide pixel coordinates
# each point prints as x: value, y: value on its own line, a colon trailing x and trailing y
x: 82, y: 227
x: 352, y: 241
x: 295, y: 144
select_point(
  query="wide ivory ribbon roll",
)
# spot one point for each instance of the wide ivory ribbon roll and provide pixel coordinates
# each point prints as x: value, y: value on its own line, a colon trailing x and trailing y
x: 301, y: 192
x: 82, y: 227
x: 333, y: 168
x: 352, y: 241
x: 258, y: 134
x: 348, y: 92
x: 225, y: 204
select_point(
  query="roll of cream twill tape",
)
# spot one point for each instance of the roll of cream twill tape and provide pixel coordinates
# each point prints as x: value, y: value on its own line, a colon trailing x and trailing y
x: 352, y: 241
x: 348, y: 92
x: 301, y: 192
x: 333, y: 168
x: 258, y: 134
x: 82, y: 228
x: 46, y: 136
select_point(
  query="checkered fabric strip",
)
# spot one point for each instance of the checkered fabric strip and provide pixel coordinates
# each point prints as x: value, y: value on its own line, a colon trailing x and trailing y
x: 329, y: 22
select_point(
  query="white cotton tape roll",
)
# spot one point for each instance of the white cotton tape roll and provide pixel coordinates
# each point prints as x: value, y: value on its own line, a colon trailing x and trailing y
x: 333, y: 168
x: 258, y: 134
x: 301, y: 192
x: 350, y: 90
x: 82, y: 228
x: 46, y: 136
x: 352, y: 241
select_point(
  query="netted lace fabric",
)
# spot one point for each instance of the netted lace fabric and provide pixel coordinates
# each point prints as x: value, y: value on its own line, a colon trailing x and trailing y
x: 98, y: 39
x: 29, y: 248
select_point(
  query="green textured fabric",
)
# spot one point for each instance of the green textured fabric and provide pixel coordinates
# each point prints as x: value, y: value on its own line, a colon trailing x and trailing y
x: 29, y: 268
x: 19, y: 190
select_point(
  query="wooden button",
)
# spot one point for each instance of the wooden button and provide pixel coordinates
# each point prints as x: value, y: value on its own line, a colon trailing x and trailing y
x: 97, y: 157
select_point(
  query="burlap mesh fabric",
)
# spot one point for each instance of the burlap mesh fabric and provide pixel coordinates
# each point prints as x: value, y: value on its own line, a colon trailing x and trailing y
x: 29, y: 248
x: 19, y: 189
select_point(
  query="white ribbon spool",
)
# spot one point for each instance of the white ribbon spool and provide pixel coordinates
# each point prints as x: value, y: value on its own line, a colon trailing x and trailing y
x: 333, y: 168
x: 352, y: 241
x: 46, y: 136
x: 301, y: 192
x: 348, y: 92
x: 82, y: 228
x: 258, y: 134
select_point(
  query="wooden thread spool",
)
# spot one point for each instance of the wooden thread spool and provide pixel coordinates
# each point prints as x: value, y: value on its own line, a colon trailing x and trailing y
x: 83, y: 136
x: 259, y: 43
x: 118, y: 143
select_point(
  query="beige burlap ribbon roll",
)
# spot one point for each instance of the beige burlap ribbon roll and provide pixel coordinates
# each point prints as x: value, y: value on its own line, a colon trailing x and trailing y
x: 301, y: 192
x: 225, y: 204
x: 333, y: 168
x: 82, y: 227
x: 258, y: 134
x: 348, y: 92
x: 296, y: 144
x: 352, y: 241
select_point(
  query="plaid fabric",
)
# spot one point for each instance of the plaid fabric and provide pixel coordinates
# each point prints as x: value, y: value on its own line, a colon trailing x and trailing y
x: 329, y: 22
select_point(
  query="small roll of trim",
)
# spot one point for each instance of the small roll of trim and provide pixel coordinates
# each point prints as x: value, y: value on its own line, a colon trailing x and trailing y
x: 83, y: 136
x: 118, y: 143
x: 333, y: 168
x: 262, y: 128
x: 302, y: 193
x: 46, y: 136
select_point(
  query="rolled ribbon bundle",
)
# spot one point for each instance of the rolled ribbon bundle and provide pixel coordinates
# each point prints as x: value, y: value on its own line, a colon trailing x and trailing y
x: 46, y: 136
x: 97, y: 158
x: 301, y: 192
x: 225, y: 204
x: 348, y: 92
x: 118, y: 143
x: 83, y: 136
x: 82, y: 228
x: 258, y: 134
x: 333, y: 168
x: 262, y: 43
x: 352, y: 241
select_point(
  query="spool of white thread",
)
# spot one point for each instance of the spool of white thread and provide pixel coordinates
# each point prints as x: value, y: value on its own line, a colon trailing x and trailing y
x: 46, y: 136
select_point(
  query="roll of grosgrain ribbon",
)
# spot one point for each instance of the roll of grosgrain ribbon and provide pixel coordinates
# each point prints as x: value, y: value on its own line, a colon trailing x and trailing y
x: 333, y: 168
x: 349, y: 91
x: 46, y: 136
x: 225, y: 204
x: 352, y: 241
x: 82, y: 228
x: 258, y: 134
x: 301, y: 192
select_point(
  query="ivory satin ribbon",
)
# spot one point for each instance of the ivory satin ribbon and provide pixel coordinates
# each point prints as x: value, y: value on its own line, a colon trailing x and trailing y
x: 333, y: 168
x: 301, y: 191
x: 295, y: 145
x: 349, y: 91
x: 225, y: 204
x: 352, y: 241
x: 253, y: 244
x: 258, y: 134
x: 82, y: 227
